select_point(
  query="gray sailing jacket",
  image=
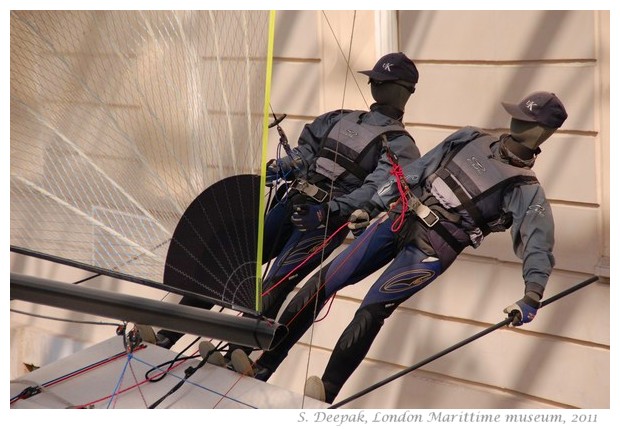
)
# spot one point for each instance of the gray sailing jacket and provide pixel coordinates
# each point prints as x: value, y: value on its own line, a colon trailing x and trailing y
x: 354, y: 190
x: 522, y: 206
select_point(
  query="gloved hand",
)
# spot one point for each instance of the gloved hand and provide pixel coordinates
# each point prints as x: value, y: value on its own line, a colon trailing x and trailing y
x: 309, y: 216
x: 282, y: 168
x: 524, y: 310
x: 272, y: 171
x: 358, y: 221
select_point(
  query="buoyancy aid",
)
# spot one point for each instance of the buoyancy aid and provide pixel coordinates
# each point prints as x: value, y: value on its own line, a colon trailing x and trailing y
x: 352, y: 148
x: 472, y: 182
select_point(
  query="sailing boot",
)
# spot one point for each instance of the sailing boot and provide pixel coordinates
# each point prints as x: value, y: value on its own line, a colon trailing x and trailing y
x: 241, y: 363
x: 208, y: 352
x: 261, y: 373
x: 148, y: 335
x: 314, y: 388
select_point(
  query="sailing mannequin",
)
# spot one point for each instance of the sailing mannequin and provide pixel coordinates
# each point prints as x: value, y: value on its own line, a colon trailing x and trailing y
x: 470, y: 185
x: 338, y: 163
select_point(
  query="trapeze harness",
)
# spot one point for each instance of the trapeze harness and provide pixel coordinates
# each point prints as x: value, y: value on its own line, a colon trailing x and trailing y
x: 468, y: 189
x: 346, y: 156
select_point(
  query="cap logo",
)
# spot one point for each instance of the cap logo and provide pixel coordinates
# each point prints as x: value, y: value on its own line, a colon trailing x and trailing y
x: 530, y: 105
x: 386, y: 66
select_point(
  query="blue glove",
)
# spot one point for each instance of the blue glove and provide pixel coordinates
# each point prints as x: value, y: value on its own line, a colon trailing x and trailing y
x: 524, y: 310
x: 282, y: 168
x: 272, y: 171
x: 278, y: 169
x: 309, y: 216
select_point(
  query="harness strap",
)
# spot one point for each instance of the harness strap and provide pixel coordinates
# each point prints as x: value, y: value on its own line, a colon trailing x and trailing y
x: 344, y: 162
x: 448, y: 238
x: 467, y: 203
x: 410, y: 202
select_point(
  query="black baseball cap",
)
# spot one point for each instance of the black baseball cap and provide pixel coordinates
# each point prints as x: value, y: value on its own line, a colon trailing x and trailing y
x: 544, y: 108
x: 395, y: 66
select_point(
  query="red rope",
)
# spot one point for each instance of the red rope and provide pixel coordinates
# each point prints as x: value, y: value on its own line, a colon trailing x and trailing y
x: 329, y: 307
x: 403, y: 192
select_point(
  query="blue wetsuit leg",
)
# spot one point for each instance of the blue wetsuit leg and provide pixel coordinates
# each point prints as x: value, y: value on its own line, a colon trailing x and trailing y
x: 409, y: 273
x: 366, y: 254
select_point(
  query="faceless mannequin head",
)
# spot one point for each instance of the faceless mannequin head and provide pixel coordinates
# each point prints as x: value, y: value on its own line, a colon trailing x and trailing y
x: 530, y: 134
x: 393, y: 93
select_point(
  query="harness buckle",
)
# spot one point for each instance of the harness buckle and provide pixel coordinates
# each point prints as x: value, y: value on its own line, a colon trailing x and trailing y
x: 310, y: 190
x: 426, y: 215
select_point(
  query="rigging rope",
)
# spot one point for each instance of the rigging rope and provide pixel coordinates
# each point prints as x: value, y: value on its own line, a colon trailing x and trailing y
x: 78, y: 371
x: 347, y: 62
x: 503, y: 323
x: 36, y: 388
x: 60, y: 319
x: 136, y: 385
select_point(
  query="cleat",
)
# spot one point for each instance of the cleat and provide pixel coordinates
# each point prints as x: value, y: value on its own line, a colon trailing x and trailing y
x: 241, y: 363
x: 314, y: 388
x: 207, y: 351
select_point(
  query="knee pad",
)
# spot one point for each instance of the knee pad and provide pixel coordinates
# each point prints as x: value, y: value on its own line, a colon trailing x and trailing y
x: 310, y: 292
x: 365, y: 324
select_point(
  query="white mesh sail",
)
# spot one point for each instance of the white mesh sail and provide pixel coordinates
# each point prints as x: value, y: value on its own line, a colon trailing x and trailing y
x: 119, y: 120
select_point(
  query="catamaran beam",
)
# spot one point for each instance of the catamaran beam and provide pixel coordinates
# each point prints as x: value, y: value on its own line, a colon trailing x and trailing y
x: 246, y: 331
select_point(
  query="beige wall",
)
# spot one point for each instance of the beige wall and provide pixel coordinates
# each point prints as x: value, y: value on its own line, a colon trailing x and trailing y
x: 469, y: 61
x: 485, y: 57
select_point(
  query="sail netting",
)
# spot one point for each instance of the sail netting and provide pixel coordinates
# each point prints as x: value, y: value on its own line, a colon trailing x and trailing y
x: 136, y: 144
